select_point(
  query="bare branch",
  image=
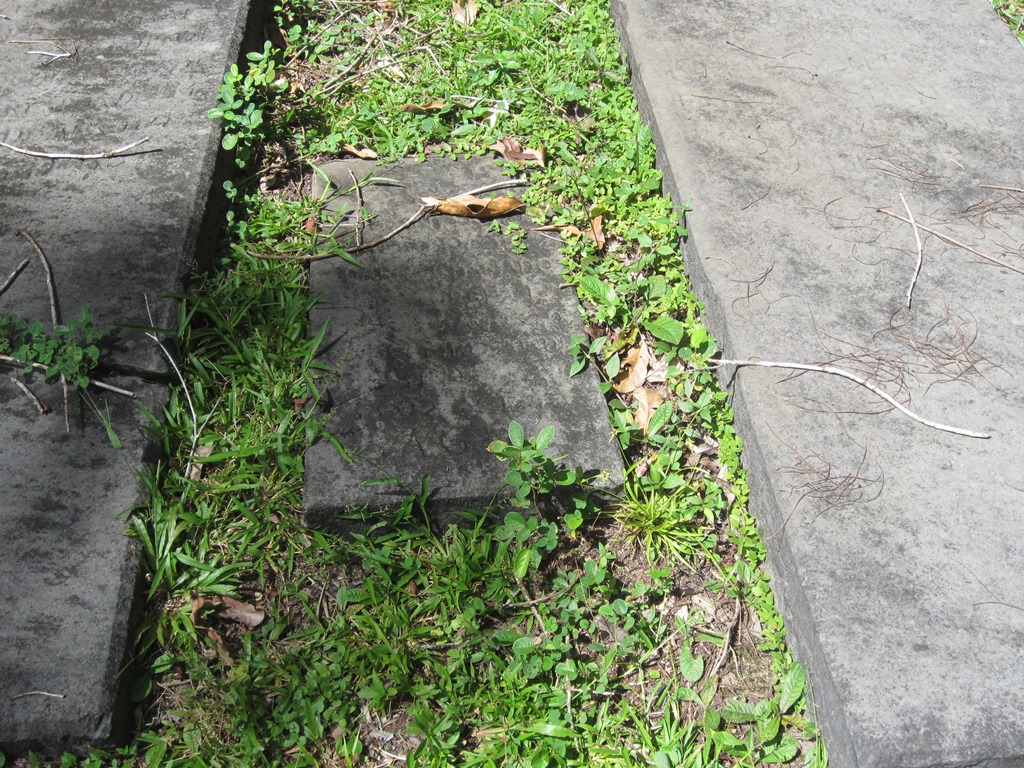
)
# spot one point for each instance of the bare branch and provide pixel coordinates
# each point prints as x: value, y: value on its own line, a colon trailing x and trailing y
x: 54, y: 313
x: 858, y: 380
x: 42, y: 407
x: 92, y: 382
x: 68, y: 156
x: 952, y: 241
x: 13, y: 276
x: 920, y: 252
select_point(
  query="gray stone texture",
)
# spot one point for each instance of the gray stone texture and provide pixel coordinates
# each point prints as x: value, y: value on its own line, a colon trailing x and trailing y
x: 437, y: 343
x: 115, y: 231
x: 896, y: 550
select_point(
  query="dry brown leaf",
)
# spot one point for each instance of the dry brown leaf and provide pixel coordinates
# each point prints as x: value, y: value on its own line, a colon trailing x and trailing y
x: 571, y: 229
x: 632, y: 372
x: 362, y: 153
x: 222, y: 651
x: 464, y: 11
x: 473, y: 207
x: 196, y: 472
x: 421, y: 109
x: 647, y: 402
x: 243, y: 613
x: 512, y: 150
x: 596, y: 232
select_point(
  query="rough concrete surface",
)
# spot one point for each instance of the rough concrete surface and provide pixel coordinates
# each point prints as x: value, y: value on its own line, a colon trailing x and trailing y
x: 443, y: 338
x: 115, y: 230
x: 897, y: 551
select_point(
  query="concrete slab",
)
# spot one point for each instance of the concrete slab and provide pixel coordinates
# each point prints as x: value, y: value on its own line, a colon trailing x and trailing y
x: 443, y: 338
x: 115, y: 231
x: 896, y: 550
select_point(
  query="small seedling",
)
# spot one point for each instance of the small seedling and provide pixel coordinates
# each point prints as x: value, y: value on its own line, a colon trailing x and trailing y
x: 532, y: 473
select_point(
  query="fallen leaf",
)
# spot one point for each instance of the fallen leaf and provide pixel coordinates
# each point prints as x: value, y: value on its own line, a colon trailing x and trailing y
x: 512, y: 150
x: 596, y: 232
x: 362, y: 154
x: 198, y: 604
x: 222, y: 651
x: 647, y: 401
x: 243, y: 613
x: 474, y: 207
x: 300, y: 403
x: 311, y: 222
x: 196, y: 472
x: 571, y: 229
x: 422, y: 109
x: 632, y: 372
x: 464, y: 11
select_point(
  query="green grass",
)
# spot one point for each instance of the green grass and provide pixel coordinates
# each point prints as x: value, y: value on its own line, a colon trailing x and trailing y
x: 644, y: 633
x: 1012, y: 12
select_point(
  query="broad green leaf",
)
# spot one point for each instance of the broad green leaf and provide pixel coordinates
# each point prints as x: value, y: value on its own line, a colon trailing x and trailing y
x: 505, y: 636
x: 660, y: 418
x: 598, y: 290
x: 667, y: 329
x: 690, y: 667
x: 782, y: 752
x: 516, y: 436
x: 521, y: 564
x: 737, y: 711
x: 791, y: 688
x: 545, y: 437
x: 768, y: 728
x: 612, y: 366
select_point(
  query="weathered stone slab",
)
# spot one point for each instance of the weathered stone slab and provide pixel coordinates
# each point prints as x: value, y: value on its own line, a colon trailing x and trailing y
x: 116, y: 231
x: 896, y: 549
x: 438, y: 342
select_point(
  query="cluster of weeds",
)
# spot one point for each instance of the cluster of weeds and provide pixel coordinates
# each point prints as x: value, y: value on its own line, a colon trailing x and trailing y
x: 69, y: 350
x: 1012, y: 12
x: 641, y: 633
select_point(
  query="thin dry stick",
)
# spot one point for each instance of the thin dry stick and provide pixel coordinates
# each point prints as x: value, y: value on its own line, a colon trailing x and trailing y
x: 920, y: 252
x: 422, y: 212
x: 42, y: 407
x: 1004, y: 189
x: 37, y: 693
x: 13, y: 276
x: 54, y: 314
x: 726, y: 641
x: 184, y: 388
x: 533, y: 607
x: 858, y: 380
x: 952, y: 241
x: 359, y: 207
x: 70, y: 156
x: 92, y: 382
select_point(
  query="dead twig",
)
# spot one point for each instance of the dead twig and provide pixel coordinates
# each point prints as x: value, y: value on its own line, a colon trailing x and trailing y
x: 184, y: 388
x: 533, y: 606
x: 920, y: 251
x: 72, y: 156
x: 38, y: 693
x: 1004, y: 189
x: 92, y: 382
x: 955, y: 242
x: 42, y: 407
x: 832, y: 370
x: 54, y: 314
x: 422, y: 212
x: 13, y: 276
x: 727, y: 640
